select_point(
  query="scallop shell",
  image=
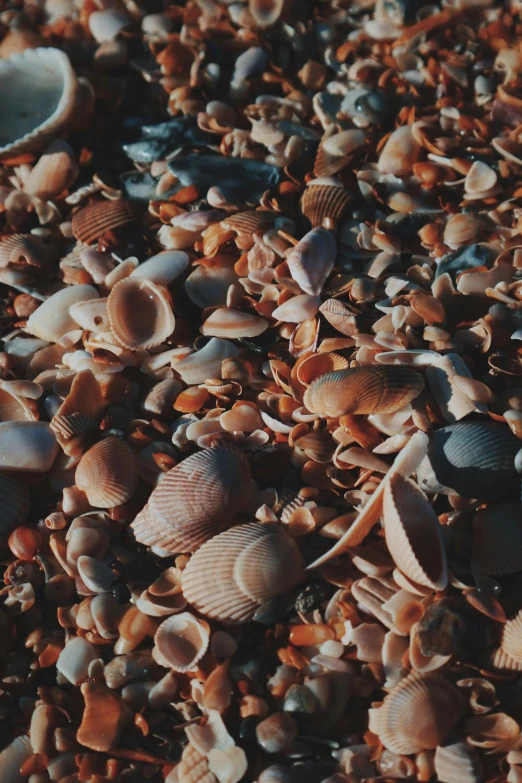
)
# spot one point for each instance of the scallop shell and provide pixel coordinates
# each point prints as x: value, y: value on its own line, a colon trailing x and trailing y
x: 52, y: 320
x: 413, y: 534
x: 93, y: 220
x: 471, y: 458
x: 511, y: 639
x: 108, y: 473
x: 497, y: 540
x: 196, y: 499
x: 15, y: 501
x: 363, y: 390
x: 21, y: 249
x: 102, y: 718
x: 233, y: 323
x: 312, y: 260
x: 37, y: 93
x: 240, y: 569
x: 139, y: 313
x: 458, y: 762
x: 249, y: 221
x: 180, y: 642
x: 55, y: 171
x: 28, y: 446
x: 418, y: 714
x: 322, y: 201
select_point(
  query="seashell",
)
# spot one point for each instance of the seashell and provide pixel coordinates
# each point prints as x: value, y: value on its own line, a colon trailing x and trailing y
x: 102, y: 718
x: 511, y: 639
x: 233, y: 323
x: 297, y: 309
x: 12, y: 759
x: 28, y: 446
x: 244, y: 179
x: 340, y: 316
x: 193, y: 768
x: 400, y: 152
x: 51, y: 321
x: 38, y: 91
x: 139, y: 313
x: 107, y: 473
x: 15, y: 501
x: 242, y: 418
x: 370, y: 389
x: 312, y: 260
x: 249, y: 221
x: 241, y: 569
x: 493, y: 733
x: 196, y: 499
x: 95, y: 219
x: 97, y: 577
x: 418, y: 714
x: 458, y: 762
x: 163, y: 268
x: 322, y: 201
x: 55, y: 172
x: 480, y: 178
x: 470, y: 458
x: 206, y: 363
x: 208, y: 286
x: 462, y: 229
x: 105, y: 25
x: 21, y: 249
x: 14, y: 408
x: 265, y: 13
x: 440, y: 376
x: 228, y: 765
x: 180, y: 642
x: 344, y: 143
x: 75, y: 659
x: 497, y: 540
x: 413, y: 534
x: 80, y: 411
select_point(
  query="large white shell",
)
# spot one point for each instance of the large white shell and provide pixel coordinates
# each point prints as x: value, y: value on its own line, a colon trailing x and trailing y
x: 163, y: 268
x: 52, y: 319
x: 28, y: 446
x: 206, y: 363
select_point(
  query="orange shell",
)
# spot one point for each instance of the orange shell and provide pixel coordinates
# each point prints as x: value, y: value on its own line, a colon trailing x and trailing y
x: 139, y: 313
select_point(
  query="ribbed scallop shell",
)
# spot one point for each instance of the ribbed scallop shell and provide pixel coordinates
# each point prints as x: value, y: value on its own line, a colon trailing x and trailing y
x: 21, y: 249
x: 418, y: 713
x: 139, y: 313
x: 242, y: 568
x: 413, y: 534
x: 497, y: 540
x: 472, y: 458
x: 93, y: 220
x: 180, y: 642
x: 323, y: 201
x: 363, y: 390
x: 107, y: 473
x: 511, y: 639
x: 249, y: 221
x: 15, y: 501
x: 458, y: 762
x: 197, y: 499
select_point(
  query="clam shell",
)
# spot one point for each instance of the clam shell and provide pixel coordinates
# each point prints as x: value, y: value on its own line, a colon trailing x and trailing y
x: 28, y: 446
x: 195, y: 500
x: 458, y: 762
x: 55, y: 171
x: 312, y: 260
x: 233, y: 323
x: 37, y: 94
x: 102, y: 718
x: 139, y: 313
x: 363, y: 390
x: 180, y: 642
x: 163, y: 268
x: 511, y: 639
x: 249, y: 221
x: 21, y: 249
x: 52, y: 319
x: 399, y: 153
x: 14, y: 408
x: 240, y: 569
x: 497, y: 540
x: 322, y: 201
x: 413, y: 534
x: 418, y: 713
x: 107, y: 473
x: 471, y: 458
x: 15, y: 501
x: 93, y: 220
x: 297, y: 309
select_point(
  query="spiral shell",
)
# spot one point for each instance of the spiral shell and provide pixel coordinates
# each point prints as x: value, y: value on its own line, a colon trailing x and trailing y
x: 107, y: 473
x: 240, y: 569
x: 458, y: 762
x: 195, y: 500
x: 368, y: 389
x: 93, y: 220
x: 180, y: 642
x: 323, y: 201
x: 497, y: 540
x: 139, y: 313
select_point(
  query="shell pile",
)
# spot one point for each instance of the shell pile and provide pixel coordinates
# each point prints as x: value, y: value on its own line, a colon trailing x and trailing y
x: 260, y: 391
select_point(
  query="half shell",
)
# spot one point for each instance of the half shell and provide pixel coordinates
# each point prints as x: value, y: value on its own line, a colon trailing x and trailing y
x: 93, y: 220
x: 458, y: 762
x: 108, y: 473
x: 324, y: 201
x: 497, y: 540
x: 140, y: 313
x: 180, y: 642
x: 312, y: 260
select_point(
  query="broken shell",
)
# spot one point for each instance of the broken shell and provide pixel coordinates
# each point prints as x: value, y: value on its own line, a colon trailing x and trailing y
x: 102, y: 718
x: 75, y: 659
x: 400, y: 152
x: 180, y: 642
x: 372, y: 389
x: 458, y: 762
x: 312, y: 260
x: 90, y: 222
x: 107, y: 473
x: 340, y: 316
x: 480, y: 178
x: 51, y: 321
x: 497, y: 540
x: 233, y: 323
x: 239, y: 570
x: 140, y: 313
x: 28, y: 446
x: 55, y: 172
x: 206, y: 363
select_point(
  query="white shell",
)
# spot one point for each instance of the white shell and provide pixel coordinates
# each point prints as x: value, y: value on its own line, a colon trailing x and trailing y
x: 163, y: 268
x: 52, y: 319
x: 28, y: 446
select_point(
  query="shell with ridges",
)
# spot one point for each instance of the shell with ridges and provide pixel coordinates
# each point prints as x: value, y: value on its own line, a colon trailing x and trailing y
x: 180, y: 642
x: 497, y: 540
x: 93, y: 220
x: 511, y: 639
x: 108, y: 473
x: 458, y: 762
x: 322, y: 201
x: 139, y: 313
x: 193, y: 767
x: 21, y: 249
x: 249, y: 221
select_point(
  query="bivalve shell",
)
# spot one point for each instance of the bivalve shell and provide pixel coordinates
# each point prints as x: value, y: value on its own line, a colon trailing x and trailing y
x: 140, y: 313
x: 93, y: 220
x: 400, y: 152
x: 312, y: 260
x: 180, y: 642
x: 52, y: 319
x: 458, y: 762
x: 322, y: 201
x: 233, y: 324
x: 163, y: 268
x: 108, y: 473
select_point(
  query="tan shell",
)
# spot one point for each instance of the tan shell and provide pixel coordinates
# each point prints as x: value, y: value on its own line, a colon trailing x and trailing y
x: 458, y: 762
x: 240, y: 569
x: 233, y: 324
x: 51, y: 321
x: 322, y: 201
x: 399, y: 153
x: 340, y: 316
x: 180, y: 642
x: 249, y: 221
x: 107, y: 473
x: 312, y: 259
x: 193, y: 767
x: 497, y: 540
x: 102, y: 718
x: 55, y: 171
x: 93, y: 220
x: 21, y: 249
x: 80, y: 411
x: 140, y: 313
x: 418, y: 713
x: 196, y: 499
x: 413, y: 534
x: 368, y: 389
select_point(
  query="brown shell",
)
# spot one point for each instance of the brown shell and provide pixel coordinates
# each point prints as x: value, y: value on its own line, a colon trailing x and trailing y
x: 340, y: 316
x: 326, y: 165
x: 21, y: 249
x: 139, y: 313
x: 363, y: 390
x: 239, y: 570
x: 108, y: 473
x: 102, y: 718
x: 249, y: 221
x: 197, y: 499
x: 80, y: 411
x: 93, y: 220
x: 418, y: 713
x: 497, y: 540
x: 458, y: 762
x: 323, y: 201
x: 180, y: 642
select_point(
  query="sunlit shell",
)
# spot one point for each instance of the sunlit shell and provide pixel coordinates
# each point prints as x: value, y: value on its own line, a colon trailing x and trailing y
x: 51, y: 321
x: 321, y: 201
x: 312, y: 260
x: 458, y: 762
x: 180, y: 642
x: 107, y: 473
x: 239, y: 570
x: 399, y: 153
x: 372, y: 389
x: 102, y: 718
x: 55, y: 172
x: 14, y: 408
x: 297, y: 309
x: 28, y: 446
x: 206, y: 363
x: 249, y: 221
x: 497, y: 540
x: 418, y: 713
x: 37, y: 91
x: 95, y: 219
x: 196, y: 499
x: 413, y: 534
x: 140, y: 313
x: 15, y: 501
x: 233, y: 324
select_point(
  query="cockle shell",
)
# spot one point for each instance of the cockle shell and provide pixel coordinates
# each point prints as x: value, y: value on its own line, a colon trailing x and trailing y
x: 418, y: 713
x: 241, y: 569
x: 249, y: 221
x: 413, y: 534
x: 52, y: 320
x: 322, y: 201
x: 107, y: 473
x: 180, y: 642
x: 21, y: 249
x: 312, y: 260
x: 368, y: 389
x: 140, y: 313
x: 102, y: 719
x: 195, y: 500
x: 37, y: 94
x: 28, y: 446
x: 458, y: 762
x: 497, y: 540
x: 55, y: 171
x: 511, y: 639
x: 93, y: 220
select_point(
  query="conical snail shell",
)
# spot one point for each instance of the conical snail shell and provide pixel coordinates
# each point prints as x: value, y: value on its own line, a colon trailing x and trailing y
x: 139, y: 313
x: 108, y: 473
x: 368, y: 389
x: 197, y: 499
x: 240, y: 569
